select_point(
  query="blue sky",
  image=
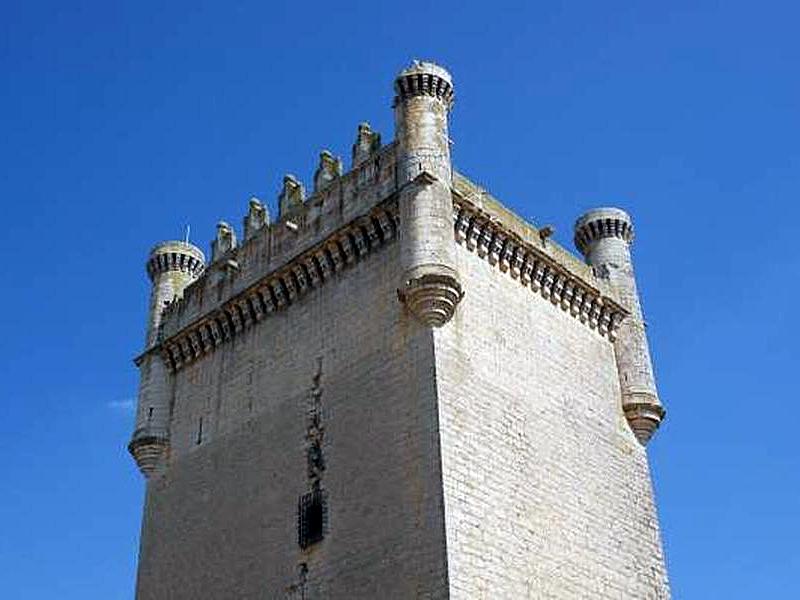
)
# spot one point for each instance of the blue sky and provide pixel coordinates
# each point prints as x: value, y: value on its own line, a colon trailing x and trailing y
x: 122, y: 122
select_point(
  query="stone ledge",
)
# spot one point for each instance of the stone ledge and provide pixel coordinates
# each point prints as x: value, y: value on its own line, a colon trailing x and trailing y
x: 484, y: 234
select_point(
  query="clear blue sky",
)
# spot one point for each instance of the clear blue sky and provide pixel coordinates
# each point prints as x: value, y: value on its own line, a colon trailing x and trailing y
x: 121, y: 122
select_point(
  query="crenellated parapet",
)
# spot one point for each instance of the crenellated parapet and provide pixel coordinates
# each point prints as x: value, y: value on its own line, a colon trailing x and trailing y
x: 600, y: 224
x: 424, y: 79
x: 194, y: 327
x: 268, y: 245
x: 175, y: 256
x: 279, y: 290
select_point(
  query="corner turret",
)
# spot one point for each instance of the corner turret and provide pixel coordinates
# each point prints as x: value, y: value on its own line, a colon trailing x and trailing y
x: 604, y: 237
x: 172, y: 266
x: 430, y: 288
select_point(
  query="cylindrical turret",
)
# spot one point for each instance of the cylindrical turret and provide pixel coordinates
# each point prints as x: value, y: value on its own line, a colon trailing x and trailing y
x: 430, y: 286
x: 171, y: 266
x: 604, y: 236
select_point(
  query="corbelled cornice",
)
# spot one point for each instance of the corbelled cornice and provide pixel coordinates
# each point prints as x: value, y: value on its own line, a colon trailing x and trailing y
x: 474, y: 229
x: 283, y: 287
x: 492, y: 240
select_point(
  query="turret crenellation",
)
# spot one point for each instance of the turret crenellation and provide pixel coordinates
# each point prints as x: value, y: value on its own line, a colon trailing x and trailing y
x: 602, y: 223
x: 424, y: 78
x: 175, y: 256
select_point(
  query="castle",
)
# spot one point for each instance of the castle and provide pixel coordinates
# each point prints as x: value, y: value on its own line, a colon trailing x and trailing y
x: 397, y: 389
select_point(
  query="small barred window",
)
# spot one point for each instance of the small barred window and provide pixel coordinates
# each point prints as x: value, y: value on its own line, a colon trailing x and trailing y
x: 312, y: 517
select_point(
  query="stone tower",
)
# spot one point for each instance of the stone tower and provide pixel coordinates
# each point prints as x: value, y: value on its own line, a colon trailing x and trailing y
x: 398, y: 388
x: 171, y: 267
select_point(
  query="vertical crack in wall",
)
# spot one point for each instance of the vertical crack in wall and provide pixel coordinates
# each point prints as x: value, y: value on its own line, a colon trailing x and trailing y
x: 315, y: 431
x: 312, y: 507
x: 297, y: 590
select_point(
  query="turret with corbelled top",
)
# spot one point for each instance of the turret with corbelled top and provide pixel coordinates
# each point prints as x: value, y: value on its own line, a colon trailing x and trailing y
x: 604, y: 237
x: 431, y: 287
x: 172, y: 266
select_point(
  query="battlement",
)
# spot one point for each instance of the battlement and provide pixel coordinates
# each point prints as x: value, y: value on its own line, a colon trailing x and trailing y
x: 285, y: 285
x: 424, y: 79
x: 175, y: 256
x: 342, y: 201
x: 279, y: 264
x: 602, y: 223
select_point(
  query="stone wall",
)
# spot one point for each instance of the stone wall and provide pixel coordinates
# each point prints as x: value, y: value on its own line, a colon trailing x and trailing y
x: 486, y: 459
x: 221, y: 520
x: 547, y: 491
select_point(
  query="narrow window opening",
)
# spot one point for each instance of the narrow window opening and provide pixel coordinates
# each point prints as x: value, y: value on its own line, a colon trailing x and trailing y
x: 312, y: 517
x: 199, y: 432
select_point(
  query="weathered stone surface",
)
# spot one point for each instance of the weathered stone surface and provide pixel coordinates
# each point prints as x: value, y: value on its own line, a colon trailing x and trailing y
x: 468, y: 441
x: 256, y: 219
x: 329, y: 169
x: 430, y: 286
x: 604, y: 236
x: 221, y: 519
x: 367, y: 143
x: 547, y: 491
